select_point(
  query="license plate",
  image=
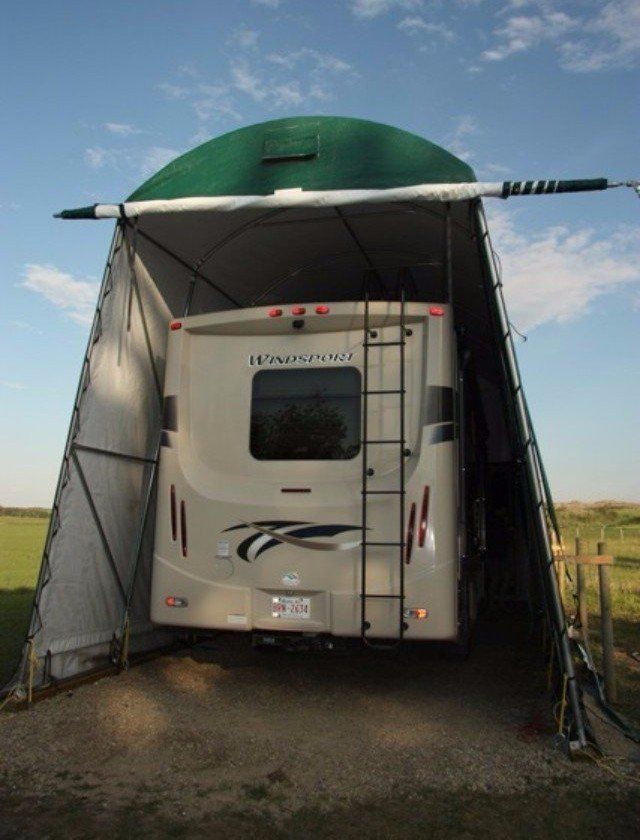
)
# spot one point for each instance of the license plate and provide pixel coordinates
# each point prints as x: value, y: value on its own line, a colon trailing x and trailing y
x: 290, y: 606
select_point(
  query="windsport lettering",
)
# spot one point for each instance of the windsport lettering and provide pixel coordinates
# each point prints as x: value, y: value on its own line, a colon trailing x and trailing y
x: 305, y: 359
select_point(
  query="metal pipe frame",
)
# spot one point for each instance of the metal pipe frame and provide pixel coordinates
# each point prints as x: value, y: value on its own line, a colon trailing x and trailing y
x: 98, y: 523
x: 530, y: 454
x: 35, y: 623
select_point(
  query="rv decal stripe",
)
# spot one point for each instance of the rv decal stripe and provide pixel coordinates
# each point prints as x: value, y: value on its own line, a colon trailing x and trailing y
x: 440, y: 434
x: 438, y: 404
x: 269, y: 523
x: 315, y: 531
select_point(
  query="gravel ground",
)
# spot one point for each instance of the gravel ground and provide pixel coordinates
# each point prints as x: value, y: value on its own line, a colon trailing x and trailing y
x: 229, y: 741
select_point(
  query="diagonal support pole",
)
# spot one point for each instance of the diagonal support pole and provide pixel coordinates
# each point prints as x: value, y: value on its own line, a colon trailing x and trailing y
x: 98, y: 523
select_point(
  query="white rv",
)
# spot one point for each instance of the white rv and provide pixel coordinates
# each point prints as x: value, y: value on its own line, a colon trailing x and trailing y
x: 308, y: 478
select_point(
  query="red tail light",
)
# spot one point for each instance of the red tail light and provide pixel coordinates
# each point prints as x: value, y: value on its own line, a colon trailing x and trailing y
x: 322, y: 309
x: 298, y: 310
x: 174, y: 517
x: 175, y: 325
x: 424, y: 516
x: 410, y: 531
x: 183, y: 528
x: 275, y: 313
x: 437, y: 311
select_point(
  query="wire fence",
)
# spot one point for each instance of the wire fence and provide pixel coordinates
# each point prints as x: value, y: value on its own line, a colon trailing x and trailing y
x: 602, y: 532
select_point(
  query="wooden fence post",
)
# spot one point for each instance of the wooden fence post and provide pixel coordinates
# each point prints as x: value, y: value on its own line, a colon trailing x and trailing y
x: 581, y: 585
x: 606, y: 629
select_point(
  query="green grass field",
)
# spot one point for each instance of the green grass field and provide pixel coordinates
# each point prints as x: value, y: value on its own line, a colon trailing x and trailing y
x: 22, y: 538
x: 21, y: 541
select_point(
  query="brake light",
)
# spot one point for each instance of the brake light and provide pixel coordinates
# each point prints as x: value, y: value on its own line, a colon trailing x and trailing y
x: 183, y: 528
x: 437, y: 311
x: 174, y: 518
x: 175, y: 325
x: 322, y: 309
x: 410, y: 531
x: 275, y: 313
x: 298, y: 310
x: 174, y: 601
x: 424, y: 515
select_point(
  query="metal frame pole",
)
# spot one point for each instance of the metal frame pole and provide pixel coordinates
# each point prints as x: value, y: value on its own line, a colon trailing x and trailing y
x: 35, y: 623
x: 528, y: 444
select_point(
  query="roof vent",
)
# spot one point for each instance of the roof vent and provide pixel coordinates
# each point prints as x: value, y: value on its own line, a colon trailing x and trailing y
x: 296, y: 142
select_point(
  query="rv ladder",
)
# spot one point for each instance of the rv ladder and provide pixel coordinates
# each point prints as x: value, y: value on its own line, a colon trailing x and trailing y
x: 367, y: 473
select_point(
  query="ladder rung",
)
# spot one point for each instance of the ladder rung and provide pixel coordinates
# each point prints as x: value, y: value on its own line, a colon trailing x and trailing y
x: 384, y: 441
x: 384, y: 343
x: 385, y: 492
x: 398, y: 391
x: 397, y: 544
x: 367, y: 595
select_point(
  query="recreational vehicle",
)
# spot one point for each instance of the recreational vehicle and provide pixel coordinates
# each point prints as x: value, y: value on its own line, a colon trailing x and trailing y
x: 309, y: 479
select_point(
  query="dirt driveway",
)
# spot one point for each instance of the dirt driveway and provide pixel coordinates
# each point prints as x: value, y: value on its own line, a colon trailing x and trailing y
x: 226, y: 741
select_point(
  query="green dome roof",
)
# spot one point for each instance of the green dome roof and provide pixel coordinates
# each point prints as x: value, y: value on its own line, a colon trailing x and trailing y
x: 313, y: 153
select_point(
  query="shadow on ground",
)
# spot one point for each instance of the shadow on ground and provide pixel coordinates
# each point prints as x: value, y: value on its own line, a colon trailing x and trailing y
x: 15, y: 611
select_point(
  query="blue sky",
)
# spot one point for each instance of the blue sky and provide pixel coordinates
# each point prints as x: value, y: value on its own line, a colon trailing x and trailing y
x: 98, y: 96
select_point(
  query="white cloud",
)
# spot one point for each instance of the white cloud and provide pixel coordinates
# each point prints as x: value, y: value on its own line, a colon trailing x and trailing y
x: 373, y: 8
x: 457, y: 142
x: 417, y: 25
x: 14, y: 386
x: 76, y: 298
x: 95, y: 157
x: 245, y: 38
x: 607, y: 38
x: 496, y: 169
x: 122, y: 129
x: 319, y: 60
x: 521, y: 33
x: 247, y: 81
x: 613, y: 40
x: 155, y: 158
x: 214, y: 101
x: 173, y: 91
x: 555, y: 274
x: 319, y: 93
x: 25, y: 327
x: 270, y: 4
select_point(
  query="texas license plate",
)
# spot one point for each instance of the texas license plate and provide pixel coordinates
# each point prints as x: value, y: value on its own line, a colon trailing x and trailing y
x: 290, y: 606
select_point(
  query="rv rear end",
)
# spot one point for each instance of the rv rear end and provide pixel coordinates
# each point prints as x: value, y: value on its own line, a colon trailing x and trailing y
x: 259, y: 521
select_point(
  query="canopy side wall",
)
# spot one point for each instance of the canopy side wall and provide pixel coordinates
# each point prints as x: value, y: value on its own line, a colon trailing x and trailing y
x: 97, y: 512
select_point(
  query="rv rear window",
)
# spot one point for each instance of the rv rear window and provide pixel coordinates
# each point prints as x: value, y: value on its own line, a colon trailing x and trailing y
x: 306, y: 415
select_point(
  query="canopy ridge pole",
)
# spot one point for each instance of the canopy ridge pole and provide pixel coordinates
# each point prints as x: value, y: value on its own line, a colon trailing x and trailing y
x: 81, y: 447
x: 186, y: 265
x: 435, y: 215
x: 125, y: 321
x: 362, y: 249
x: 98, y: 523
x: 234, y: 235
x: 559, y: 619
x: 190, y: 293
x: 448, y: 260
x: 282, y: 278
x: 36, y: 623
x: 147, y: 337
